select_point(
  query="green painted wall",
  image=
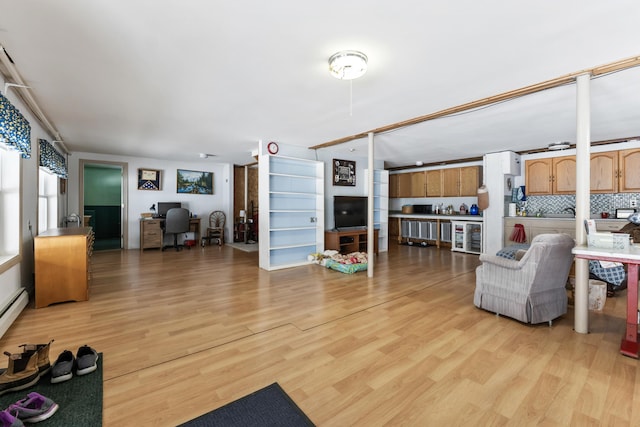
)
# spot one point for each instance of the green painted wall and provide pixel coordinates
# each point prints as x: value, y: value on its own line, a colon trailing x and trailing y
x: 101, y: 186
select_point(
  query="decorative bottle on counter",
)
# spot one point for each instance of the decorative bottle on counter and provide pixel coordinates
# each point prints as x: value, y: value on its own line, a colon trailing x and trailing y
x: 473, y: 210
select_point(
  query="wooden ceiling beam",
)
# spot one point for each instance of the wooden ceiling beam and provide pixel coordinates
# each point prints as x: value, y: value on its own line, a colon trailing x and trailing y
x: 505, y: 96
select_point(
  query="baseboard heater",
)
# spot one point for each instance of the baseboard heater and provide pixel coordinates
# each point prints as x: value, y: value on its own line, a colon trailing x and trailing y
x: 12, y: 309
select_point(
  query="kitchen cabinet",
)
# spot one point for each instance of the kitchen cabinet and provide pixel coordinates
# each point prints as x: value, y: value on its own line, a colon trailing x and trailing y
x: 404, y: 185
x: 604, y: 172
x: 434, y: 183
x: 451, y: 182
x: 470, y: 180
x: 628, y: 167
x: 611, y: 172
x: 62, y: 265
x: 411, y: 184
x: 418, y: 184
x: 564, y: 175
x: 463, y: 181
x: 553, y: 175
x: 394, y: 182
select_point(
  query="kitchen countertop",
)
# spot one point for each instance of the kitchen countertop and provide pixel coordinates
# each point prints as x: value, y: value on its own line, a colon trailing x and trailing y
x: 399, y: 214
x: 562, y: 218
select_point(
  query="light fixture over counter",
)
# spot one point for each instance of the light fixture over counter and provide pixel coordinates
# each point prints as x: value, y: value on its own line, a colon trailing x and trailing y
x: 348, y: 64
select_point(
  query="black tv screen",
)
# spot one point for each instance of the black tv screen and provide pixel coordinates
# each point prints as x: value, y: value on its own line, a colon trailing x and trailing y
x: 350, y: 211
x: 163, y: 207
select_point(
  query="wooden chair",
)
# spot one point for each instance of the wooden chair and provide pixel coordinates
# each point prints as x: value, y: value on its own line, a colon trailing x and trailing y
x: 215, y: 230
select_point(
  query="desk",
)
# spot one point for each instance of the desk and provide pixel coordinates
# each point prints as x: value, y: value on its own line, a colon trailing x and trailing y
x: 152, y: 236
x: 629, y: 345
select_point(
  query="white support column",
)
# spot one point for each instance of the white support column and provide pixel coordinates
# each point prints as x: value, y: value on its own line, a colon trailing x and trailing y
x: 583, y: 208
x: 370, y: 203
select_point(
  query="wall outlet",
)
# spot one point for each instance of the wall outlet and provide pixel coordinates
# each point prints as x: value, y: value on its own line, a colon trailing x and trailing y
x: 633, y: 203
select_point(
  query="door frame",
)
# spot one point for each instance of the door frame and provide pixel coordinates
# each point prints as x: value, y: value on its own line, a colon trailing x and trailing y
x: 124, y: 241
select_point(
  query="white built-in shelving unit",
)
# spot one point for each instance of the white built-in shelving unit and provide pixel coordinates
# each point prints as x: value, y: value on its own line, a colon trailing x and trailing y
x: 380, y: 205
x: 291, y: 211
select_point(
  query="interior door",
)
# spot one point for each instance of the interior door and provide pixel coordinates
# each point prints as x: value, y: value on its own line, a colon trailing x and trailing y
x: 102, y: 198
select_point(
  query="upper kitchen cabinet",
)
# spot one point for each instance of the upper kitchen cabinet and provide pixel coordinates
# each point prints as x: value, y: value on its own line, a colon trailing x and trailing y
x: 604, y: 172
x: 411, y: 184
x: 434, y: 183
x: 394, y: 185
x: 564, y: 175
x: 555, y: 175
x: 611, y: 172
x: 470, y: 180
x: 628, y: 167
x: 418, y: 184
x: 463, y: 181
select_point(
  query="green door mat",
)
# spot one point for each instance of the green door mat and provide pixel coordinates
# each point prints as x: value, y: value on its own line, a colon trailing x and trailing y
x: 79, y: 399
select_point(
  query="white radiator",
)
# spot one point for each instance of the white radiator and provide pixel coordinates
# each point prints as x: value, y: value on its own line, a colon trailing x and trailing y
x: 10, y: 312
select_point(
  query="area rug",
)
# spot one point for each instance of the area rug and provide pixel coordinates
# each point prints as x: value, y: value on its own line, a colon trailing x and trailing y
x: 246, y: 247
x: 269, y: 406
x: 79, y: 399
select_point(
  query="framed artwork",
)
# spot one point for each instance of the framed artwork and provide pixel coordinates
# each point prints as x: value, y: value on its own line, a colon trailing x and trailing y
x: 148, y: 179
x: 194, y: 182
x: 344, y: 172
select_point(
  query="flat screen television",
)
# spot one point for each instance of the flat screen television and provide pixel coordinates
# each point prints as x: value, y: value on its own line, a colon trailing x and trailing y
x: 350, y: 212
x: 163, y: 208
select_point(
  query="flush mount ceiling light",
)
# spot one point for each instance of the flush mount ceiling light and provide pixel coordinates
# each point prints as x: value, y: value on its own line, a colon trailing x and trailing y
x: 348, y: 64
x: 559, y: 145
x: 206, y: 155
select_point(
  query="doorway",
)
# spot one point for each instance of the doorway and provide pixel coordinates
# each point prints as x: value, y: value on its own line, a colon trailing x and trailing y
x: 102, y: 198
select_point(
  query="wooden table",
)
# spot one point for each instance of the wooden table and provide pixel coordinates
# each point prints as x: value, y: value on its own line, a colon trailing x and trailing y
x: 629, y: 345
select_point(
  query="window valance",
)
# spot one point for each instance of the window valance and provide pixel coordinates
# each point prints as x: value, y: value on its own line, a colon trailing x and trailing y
x: 51, y: 159
x: 15, y: 130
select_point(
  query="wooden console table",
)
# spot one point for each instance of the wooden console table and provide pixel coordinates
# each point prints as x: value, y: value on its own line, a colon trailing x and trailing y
x: 62, y: 265
x: 348, y: 241
x: 630, y: 343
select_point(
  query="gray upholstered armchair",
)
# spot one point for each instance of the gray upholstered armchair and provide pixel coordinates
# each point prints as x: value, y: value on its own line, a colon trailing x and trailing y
x: 531, y: 289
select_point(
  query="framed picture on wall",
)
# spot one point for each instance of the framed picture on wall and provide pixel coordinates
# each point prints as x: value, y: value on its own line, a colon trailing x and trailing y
x: 194, y: 182
x: 148, y: 179
x: 344, y: 172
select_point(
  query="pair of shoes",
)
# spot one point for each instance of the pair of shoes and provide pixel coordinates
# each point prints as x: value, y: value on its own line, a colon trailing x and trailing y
x: 8, y: 420
x: 85, y: 361
x: 33, y: 408
x: 26, y: 368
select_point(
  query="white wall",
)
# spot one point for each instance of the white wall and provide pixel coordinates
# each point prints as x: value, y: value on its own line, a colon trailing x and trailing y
x: 139, y: 201
x: 22, y: 274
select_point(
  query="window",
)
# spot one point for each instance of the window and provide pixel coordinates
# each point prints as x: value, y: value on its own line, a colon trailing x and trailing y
x: 9, y: 207
x: 47, y: 200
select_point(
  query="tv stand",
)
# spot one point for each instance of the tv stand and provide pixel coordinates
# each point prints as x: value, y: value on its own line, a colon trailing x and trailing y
x: 347, y: 241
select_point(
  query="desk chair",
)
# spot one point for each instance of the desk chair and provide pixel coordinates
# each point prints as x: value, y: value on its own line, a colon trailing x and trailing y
x: 216, y: 227
x: 176, y: 222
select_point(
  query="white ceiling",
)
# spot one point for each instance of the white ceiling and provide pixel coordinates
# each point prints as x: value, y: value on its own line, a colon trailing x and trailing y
x: 169, y: 79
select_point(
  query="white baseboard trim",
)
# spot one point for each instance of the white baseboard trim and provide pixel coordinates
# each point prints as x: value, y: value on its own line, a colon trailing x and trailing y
x: 11, y: 312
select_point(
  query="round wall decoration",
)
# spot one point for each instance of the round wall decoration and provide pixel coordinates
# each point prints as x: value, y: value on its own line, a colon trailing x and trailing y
x: 272, y: 148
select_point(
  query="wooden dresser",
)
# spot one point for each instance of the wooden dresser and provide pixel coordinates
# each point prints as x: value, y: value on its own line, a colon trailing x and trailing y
x: 150, y: 234
x: 62, y: 265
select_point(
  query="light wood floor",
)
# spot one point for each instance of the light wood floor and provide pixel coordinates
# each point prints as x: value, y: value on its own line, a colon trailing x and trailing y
x: 184, y: 333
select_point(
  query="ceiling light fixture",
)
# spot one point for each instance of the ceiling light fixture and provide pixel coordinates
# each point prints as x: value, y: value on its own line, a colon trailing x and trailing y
x: 206, y: 155
x: 563, y: 145
x: 348, y: 64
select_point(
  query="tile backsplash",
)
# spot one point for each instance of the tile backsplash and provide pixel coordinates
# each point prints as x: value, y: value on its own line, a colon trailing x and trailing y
x: 599, y: 203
